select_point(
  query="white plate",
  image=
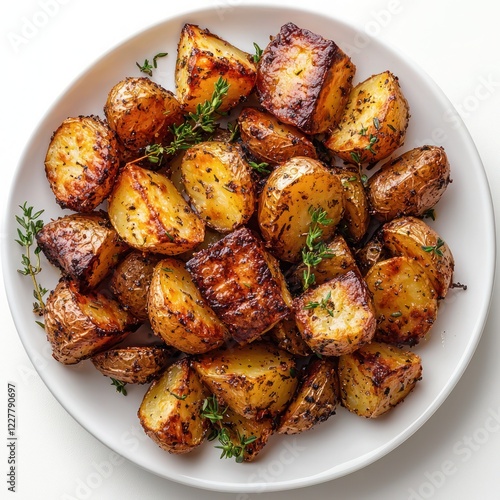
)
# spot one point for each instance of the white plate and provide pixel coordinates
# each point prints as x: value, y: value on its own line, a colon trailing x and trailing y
x: 345, y: 442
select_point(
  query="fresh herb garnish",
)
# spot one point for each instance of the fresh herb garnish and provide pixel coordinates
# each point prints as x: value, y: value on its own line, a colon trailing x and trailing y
x: 147, y: 67
x: 258, y: 53
x: 120, y: 386
x: 260, y: 167
x: 435, y: 248
x: 325, y: 303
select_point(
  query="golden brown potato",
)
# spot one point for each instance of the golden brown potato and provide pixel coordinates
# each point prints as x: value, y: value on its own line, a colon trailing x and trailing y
x: 370, y: 253
x: 218, y: 181
x: 79, y: 325
x: 134, y: 364
x: 151, y: 215
x: 414, y: 238
x: 286, y: 335
x: 84, y: 246
x: 376, y: 378
x: 304, y: 79
x: 255, y: 380
x: 410, y: 184
x: 336, y: 317
x: 141, y: 112
x: 242, y: 283
x: 130, y: 282
x: 178, y: 313
x: 374, y: 122
x: 315, y: 400
x: 203, y: 58
x: 170, y: 412
x: 292, y: 191
x: 404, y: 300
x: 82, y: 163
x: 270, y: 141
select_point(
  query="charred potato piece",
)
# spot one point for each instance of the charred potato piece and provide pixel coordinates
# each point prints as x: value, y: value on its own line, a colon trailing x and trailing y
x: 218, y: 181
x: 84, y: 246
x: 376, y: 378
x: 203, y: 58
x: 151, y: 215
x: 336, y: 317
x: 291, y: 193
x: 304, y: 79
x: 374, y: 122
x: 78, y: 325
x: 82, y: 163
x: 133, y: 365
x: 410, y: 184
x: 315, y: 400
x: 270, y: 141
x: 404, y: 300
x: 170, y: 412
x: 178, y: 313
x: 243, y: 284
x: 255, y: 380
x: 414, y: 238
x: 141, y: 112
x: 287, y: 336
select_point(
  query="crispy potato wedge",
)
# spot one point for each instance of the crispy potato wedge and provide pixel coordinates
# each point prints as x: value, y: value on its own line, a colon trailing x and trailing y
x: 79, y: 325
x: 218, y: 181
x: 203, y: 58
x: 170, y: 412
x: 404, y: 300
x: 84, y: 246
x: 410, y: 184
x: 292, y: 191
x: 151, y: 215
x: 414, y: 238
x: 255, y: 380
x: 82, y: 163
x: 179, y: 314
x: 133, y: 364
x: 304, y: 79
x: 377, y: 377
x: 374, y: 122
x: 315, y: 400
x: 242, y: 283
x: 286, y: 335
x: 336, y: 317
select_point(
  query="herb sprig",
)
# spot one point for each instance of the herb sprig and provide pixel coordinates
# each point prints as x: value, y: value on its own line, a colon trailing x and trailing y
x: 325, y: 303
x: 120, y: 386
x: 435, y: 248
x: 147, y: 67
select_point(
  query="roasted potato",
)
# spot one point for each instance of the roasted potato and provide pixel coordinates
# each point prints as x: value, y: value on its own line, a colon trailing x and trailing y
x: 374, y: 122
x: 270, y: 141
x: 315, y: 400
x: 242, y: 283
x: 410, y: 184
x: 414, y: 238
x: 170, y: 412
x: 256, y: 380
x: 218, y: 181
x: 82, y: 163
x: 404, y: 300
x: 370, y: 253
x: 79, y: 325
x: 151, y: 215
x: 178, y: 313
x: 376, y: 378
x: 336, y: 317
x: 203, y: 58
x: 286, y: 335
x: 141, y: 112
x: 84, y: 246
x: 304, y: 79
x: 133, y: 364
x: 292, y: 191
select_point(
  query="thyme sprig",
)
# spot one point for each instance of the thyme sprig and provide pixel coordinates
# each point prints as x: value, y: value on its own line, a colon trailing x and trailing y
x: 325, y: 303
x: 262, y: 168
x: 258, y: 53
x: 435, y: 248
x: 147, y: 67
x: 120, y: 386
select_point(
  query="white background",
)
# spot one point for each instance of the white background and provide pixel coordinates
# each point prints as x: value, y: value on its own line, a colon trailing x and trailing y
x: 456, y: 454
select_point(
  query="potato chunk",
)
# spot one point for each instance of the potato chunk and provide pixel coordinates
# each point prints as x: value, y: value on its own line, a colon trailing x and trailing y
x: 374, y: 122
x: 376, y: 378
x: 243, y: 284
x: 304, y: 79
x: 203, y: 58
x: 336, y: 317
x: 82, y: 163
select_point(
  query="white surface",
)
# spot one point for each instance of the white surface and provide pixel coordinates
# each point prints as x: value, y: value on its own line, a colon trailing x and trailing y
x: 459, y: 442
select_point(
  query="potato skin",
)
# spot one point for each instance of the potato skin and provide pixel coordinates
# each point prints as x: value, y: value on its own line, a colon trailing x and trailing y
x: 409, y: 184
x: 82, y: 162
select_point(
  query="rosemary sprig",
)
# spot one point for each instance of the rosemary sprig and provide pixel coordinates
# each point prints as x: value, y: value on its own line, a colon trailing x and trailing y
x: 31, y: 225
x: 147, y: 67
x: 120, y: 386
